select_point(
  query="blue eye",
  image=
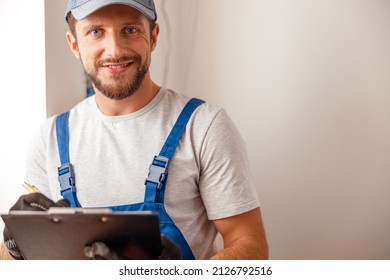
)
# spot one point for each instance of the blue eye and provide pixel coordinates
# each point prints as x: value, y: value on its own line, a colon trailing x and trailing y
x: 96, y: 32
x: 130, y: 30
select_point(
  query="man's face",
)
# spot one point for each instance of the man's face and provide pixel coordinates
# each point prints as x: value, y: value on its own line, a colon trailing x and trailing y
x: 114, y: 44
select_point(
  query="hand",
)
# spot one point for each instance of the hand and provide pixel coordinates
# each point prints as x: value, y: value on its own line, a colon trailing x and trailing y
x: 29, y: 202
x: 101, y: 251
x: 170, y: 250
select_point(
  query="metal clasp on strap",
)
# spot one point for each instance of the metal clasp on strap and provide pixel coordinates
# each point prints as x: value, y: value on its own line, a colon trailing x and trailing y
x: 66, y: 177
x: 158, y: 171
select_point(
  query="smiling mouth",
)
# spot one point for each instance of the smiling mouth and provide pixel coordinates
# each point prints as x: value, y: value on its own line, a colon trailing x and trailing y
x: 118, y: 66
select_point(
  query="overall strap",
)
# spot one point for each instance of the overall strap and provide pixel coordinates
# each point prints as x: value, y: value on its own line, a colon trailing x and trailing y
x: 65, y: 171
x: 158, y: 170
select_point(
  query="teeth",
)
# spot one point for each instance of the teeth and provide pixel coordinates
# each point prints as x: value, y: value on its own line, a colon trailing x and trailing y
x: 118, y: 66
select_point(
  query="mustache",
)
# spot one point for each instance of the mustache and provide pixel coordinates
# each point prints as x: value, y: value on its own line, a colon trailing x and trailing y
x: 134, y: 58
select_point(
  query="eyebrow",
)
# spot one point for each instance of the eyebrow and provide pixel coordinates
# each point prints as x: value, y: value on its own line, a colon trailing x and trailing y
x: 99, y: 25
x: 136, y: 22
x: 90, y: 27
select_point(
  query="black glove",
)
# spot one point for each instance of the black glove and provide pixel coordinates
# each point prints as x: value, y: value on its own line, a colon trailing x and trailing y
x: 170, y: 250
x: 29, y: 202
x: 101, y: 251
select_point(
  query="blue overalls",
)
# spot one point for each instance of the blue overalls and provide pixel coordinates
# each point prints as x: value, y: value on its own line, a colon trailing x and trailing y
x: 155, y: 183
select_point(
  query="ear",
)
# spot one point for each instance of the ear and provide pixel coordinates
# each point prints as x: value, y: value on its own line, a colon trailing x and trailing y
x: 72, y: 42
x: 155, y: 33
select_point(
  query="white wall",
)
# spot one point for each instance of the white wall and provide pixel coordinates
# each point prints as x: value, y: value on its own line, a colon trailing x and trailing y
x: 308, y: 85
x: 306, y: 82
x: 65, y: 80
x: 22, y: 90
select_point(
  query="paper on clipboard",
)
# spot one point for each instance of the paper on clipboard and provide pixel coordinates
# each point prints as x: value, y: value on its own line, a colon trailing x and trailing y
x: 62, y: 233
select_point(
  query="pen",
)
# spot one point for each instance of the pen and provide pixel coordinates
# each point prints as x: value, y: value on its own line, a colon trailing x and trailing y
x: 30, y: 188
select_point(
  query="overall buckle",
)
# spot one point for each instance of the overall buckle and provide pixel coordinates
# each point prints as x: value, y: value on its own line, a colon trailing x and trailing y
x: 158, y: 171
x: 66, y: 177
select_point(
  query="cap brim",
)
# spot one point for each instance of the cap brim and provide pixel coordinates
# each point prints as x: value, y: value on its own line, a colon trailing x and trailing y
x: 92, y: 6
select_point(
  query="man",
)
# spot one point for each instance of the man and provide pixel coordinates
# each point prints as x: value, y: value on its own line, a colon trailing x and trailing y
x: 114, y: 136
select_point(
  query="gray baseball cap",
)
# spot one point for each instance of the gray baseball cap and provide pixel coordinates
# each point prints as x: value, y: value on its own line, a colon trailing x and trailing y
x: 83, y: 8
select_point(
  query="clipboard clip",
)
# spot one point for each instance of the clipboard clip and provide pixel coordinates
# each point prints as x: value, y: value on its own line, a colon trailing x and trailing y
x: 67, y: 210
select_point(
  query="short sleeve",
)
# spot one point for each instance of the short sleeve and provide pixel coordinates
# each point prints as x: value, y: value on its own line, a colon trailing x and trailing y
x: 36, y: 173
x: 225, y: 183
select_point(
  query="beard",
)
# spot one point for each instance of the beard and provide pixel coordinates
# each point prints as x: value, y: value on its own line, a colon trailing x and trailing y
x: 115, y: 89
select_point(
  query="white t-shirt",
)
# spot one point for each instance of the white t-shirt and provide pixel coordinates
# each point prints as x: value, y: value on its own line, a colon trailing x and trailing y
x: 208, y: 175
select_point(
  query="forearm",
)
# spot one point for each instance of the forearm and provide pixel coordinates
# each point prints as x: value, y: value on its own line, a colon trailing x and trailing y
x: 245, y: 249
x: 4, y: 254
x: 243, y: 236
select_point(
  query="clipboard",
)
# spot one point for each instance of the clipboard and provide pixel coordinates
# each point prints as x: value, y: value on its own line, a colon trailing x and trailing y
x: 62, y: 233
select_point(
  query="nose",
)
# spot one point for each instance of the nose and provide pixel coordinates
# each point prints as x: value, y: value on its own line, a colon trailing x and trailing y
x: 116, y: 46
